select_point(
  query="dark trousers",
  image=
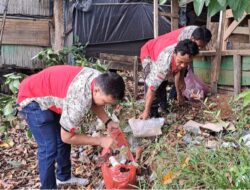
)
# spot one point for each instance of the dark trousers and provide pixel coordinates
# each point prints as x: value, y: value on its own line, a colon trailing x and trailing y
x: 160, y: 95
x: 45, y: 127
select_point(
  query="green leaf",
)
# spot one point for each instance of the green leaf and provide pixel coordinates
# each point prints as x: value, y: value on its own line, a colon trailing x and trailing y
x: 29, y: 134
x: 246, y: 101
x: 222, y: 2
x: 198, y: 6
x: 14, y: 163
x: 207, y: 2
x: 161, y: 2
x: 8, y: 110
x: 16, y: 83
x: 214, y: 7
x: 233, y: 4
x: 242, y: 95
x: 241, y: 7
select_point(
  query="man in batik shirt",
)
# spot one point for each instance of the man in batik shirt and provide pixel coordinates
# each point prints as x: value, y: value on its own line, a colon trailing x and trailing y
x: 54, y: 103
x: 151, y: 50
x: 172, y: 60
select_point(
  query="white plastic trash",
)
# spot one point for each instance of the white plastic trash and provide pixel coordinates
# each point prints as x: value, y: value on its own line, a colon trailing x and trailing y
x: 146, y: 128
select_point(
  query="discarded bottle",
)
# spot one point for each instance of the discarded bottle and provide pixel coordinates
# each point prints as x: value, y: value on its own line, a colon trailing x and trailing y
x: 113, y: 161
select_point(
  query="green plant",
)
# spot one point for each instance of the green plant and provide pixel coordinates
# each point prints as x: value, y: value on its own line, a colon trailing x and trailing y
x: 241, y: 107
x: 49, y: 57
x: 8, y: 102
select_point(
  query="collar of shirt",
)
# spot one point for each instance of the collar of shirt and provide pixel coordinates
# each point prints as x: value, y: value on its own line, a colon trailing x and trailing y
x: 92, y: 85
x: 173, y: 65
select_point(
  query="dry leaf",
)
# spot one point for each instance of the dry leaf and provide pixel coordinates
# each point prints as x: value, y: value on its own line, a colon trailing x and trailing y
x: 7, y: 143
x: 168, y: 178
x: 79, y: 170
x: 185, y: 163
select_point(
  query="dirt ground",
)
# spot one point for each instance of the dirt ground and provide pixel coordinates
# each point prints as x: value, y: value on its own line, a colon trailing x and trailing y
x: 19, y: 164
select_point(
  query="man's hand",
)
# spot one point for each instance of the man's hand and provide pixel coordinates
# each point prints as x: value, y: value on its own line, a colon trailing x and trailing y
x: 112, y: 125
x: 144, y: 115
x: 180, y: 99
x: 195, y: 96
x: 107, y: 142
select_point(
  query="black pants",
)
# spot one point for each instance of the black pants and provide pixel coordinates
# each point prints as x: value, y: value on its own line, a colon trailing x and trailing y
x: 160, y: 95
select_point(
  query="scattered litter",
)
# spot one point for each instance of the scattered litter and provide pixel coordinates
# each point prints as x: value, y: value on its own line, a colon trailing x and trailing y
x: 193, y: 127
x: 99, y: 125
x: 228, y: 145
x: 138, y: 153
x: 212, y: 127
x: 171, y: 118
x: 100, y: 185
x: 187, y: 139
x: 153, y: 176
x: 127, y: 129
x: 212, y: 144
x: 96, y: 134
x: 133, y: 142
x: 246, y: 140
x: 146, y: 128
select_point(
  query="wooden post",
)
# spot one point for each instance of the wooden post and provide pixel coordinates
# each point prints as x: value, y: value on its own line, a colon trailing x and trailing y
x: 216, y: 60
x: 3, y: 24
x: 135, y: 73
x: 59, y: 25
x: 156, y: 17
x: 249, y: 28
x: 237, y: 74
x: 174, y: 12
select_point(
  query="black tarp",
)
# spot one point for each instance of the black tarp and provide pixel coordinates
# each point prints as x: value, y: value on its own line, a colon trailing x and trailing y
x: 104, y: 24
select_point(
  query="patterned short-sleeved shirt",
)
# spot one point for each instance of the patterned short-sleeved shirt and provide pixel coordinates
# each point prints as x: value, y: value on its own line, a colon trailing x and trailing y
x: 187, y: 33
x: 64, y: 89
x: 160, y: 69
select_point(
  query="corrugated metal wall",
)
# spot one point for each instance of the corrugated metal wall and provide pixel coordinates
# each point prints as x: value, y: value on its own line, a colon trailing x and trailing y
x: 20, y: 56
x: 28, y: 7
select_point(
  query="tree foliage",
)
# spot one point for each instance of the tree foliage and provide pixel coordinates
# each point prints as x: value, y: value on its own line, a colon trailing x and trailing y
x: 214, y: 6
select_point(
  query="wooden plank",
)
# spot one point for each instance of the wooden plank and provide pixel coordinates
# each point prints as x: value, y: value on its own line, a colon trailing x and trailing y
x: 213, y: 27
x: 234, y: 52
x: 241, y: 46
x: 241, y: 30
x: 229, y: 13
x: 216, y: 60
x: 114, y: 57
x: 232, y: 27
x: 120, y: 66
x: 26, y: 32
x: 237, y: 74
x: 174, y: 11
x: 156, y: 17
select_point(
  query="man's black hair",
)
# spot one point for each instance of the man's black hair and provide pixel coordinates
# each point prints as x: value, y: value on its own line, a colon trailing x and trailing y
x: 111, y: 84
x: 202, y: 33
x: 187, y: 47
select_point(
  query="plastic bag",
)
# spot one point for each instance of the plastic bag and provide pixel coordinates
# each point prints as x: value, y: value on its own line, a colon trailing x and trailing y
x: 120, y: 176
x: 196, y: 89
x: 146, y: 128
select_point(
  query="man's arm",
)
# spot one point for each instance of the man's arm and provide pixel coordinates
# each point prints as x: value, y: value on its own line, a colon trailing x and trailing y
x: 180, y: 85
x: 148, y: 103
x: 80, y: 139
